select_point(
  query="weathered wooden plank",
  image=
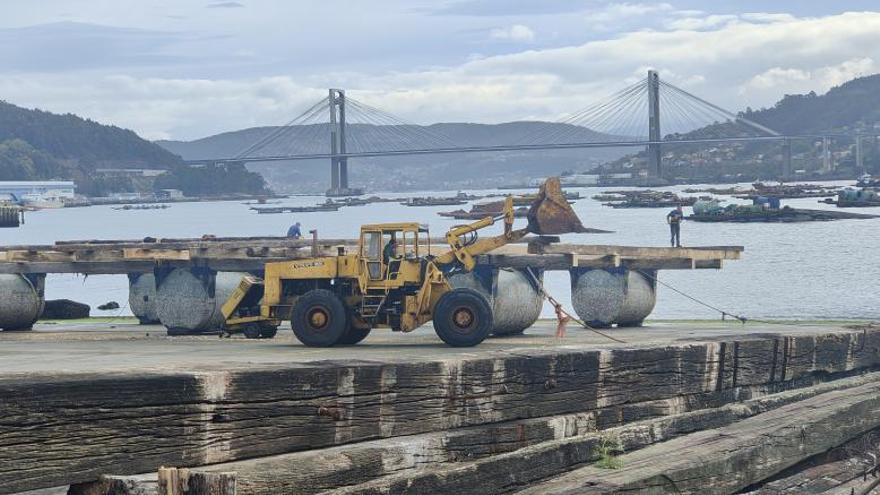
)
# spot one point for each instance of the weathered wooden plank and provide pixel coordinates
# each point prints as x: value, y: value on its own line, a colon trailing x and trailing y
x: 725, y: 449
x: 310, y: 472
x: 697, y: 253
x: 182, y: 481
x: 156, y: 254
x: 568, y: 261
x: 829, y: 473
x: 142, y: 420
x: 735, y: 456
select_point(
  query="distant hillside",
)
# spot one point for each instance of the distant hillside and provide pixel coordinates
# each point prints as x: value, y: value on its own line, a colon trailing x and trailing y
x: 448, y: 171
x: 851, y: 108
x: 70, y: 137
x: 35, y: 144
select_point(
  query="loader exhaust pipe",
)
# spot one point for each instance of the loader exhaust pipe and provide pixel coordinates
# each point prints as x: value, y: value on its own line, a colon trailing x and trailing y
x: 550, y: 213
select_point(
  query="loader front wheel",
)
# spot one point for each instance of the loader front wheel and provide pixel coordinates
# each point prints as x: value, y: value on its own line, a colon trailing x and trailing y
x: 319, y: 318
x: 462, y: 318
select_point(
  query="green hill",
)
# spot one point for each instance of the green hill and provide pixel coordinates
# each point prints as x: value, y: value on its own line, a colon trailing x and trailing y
x: 35, y: 145
x: 852, y: 106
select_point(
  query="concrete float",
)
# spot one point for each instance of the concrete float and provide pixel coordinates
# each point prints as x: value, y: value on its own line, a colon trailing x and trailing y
x: 603, y: 297
x: 22, y: 301
x: 188, y: 300
x: 142, y: 297
x: 515, y: 300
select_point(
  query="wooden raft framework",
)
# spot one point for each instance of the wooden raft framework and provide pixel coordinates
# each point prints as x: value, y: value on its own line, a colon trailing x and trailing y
x: 251, y: 253
x: 568, y: 256
x: 131, y: 256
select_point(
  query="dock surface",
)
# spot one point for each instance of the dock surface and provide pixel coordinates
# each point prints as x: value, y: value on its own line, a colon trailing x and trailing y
x: 114, y: 347
x: 403, y: 414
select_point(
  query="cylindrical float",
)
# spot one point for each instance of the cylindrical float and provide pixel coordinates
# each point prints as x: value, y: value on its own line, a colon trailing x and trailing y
x: 615, y: 296
x: 142, y: 297
x: 515, y: 300
x: 188, y: 300
x: 22, y: 301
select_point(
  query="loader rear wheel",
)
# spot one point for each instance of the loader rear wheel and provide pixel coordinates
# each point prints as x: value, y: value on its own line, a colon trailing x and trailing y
x: 319, y: 318
x: 462, y: 318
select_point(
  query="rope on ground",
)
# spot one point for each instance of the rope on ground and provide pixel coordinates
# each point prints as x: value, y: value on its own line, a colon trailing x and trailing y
x: 556, y: 304
x: 724, y: 314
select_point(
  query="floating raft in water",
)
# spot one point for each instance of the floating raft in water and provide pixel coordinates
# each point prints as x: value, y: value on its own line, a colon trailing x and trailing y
x: 782, y: 215
x: 297, y: 209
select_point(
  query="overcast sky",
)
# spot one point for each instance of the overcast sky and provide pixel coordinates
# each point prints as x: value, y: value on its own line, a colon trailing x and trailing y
x: 184, y: 69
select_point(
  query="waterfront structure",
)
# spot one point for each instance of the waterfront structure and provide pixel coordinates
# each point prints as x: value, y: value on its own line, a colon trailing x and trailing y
x: 37, y: 192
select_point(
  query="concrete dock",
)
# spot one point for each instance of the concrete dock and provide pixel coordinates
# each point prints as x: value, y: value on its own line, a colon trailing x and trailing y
x: 406, y: 414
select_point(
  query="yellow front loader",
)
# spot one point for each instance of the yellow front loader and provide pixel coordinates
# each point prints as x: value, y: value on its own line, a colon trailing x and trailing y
x: 393, y: 280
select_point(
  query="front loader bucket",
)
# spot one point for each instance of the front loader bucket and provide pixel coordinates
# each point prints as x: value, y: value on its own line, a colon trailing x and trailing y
x: 550, y: 213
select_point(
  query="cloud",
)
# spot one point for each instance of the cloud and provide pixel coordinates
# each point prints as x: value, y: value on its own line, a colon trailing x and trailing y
x: 606, y: 17
x: 689, y: 23
x: 63, y: 46
x: 750, y: 61
x: 516, y: 32
x: 818, y: 79
x: 480, y: 8
x: 225, y: 5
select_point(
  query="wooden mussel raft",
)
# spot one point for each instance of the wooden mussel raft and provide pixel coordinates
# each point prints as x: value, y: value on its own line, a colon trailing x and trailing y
x: 766, y: 210
x: 483, y: 210
x: 644, y: 199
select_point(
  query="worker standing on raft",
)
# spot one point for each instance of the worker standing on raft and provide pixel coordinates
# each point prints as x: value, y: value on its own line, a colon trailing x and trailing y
x: 674, y: 219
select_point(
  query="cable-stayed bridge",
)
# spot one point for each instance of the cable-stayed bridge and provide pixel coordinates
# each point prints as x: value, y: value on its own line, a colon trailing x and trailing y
x: 650, y: 113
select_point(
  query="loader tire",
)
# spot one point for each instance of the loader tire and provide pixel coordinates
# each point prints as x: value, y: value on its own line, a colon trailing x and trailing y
x: 268, y: 331
x: 463, y: 318
x: 259, y: 331
x: 354, y: 335
x: 319, y: 318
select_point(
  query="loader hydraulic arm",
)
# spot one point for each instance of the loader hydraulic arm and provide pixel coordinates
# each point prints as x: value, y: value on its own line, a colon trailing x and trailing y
x: 549, y: 214
x: 464, y: 248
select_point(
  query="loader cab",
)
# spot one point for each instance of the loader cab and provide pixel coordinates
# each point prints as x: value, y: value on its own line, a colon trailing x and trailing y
x: 391, y: 253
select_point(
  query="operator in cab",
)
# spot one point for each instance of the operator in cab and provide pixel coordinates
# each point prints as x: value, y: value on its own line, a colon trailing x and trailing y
x: 390, y: 251
x: 294, y: 231
x: 674, y: 218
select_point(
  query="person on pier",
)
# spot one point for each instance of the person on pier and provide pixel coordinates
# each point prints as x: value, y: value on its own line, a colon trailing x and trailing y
x: 674, y: 218
x: 294, y: 231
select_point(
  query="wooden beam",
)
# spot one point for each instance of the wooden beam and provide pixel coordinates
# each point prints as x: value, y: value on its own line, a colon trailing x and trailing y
x: 182, y: 481
x: 568, y: 261
x: 697, y: 253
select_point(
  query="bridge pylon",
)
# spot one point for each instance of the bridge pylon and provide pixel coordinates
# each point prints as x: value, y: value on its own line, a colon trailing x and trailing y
x: 654, y: 152
x: 338, y: 164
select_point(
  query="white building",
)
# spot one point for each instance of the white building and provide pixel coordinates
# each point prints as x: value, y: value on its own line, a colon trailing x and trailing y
x: 49, y: 189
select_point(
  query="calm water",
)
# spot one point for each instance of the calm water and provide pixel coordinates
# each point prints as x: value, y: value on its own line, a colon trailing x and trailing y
x: 804, y: 270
